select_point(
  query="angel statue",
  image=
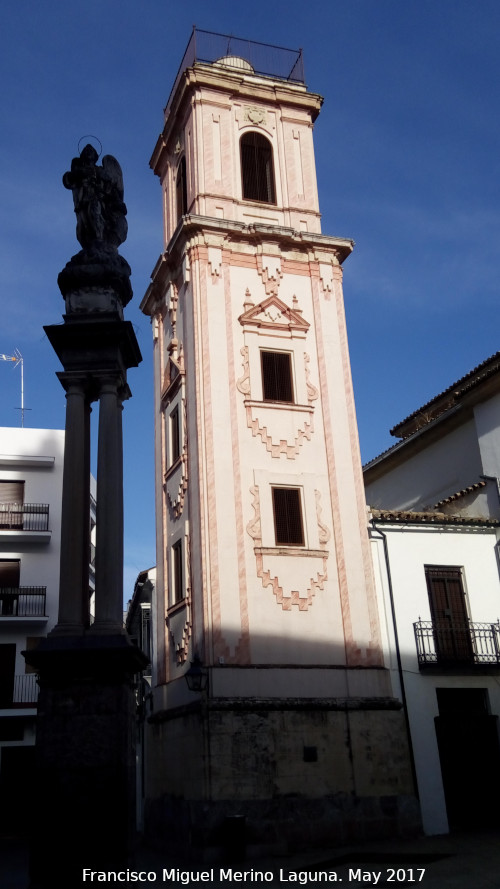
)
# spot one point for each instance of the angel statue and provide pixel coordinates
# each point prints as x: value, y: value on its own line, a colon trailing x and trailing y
x: 98, y: 199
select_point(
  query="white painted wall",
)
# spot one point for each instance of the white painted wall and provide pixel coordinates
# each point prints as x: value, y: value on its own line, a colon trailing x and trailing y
x: 410, y: 548
x: 34, y: 456
x: 439, y: 469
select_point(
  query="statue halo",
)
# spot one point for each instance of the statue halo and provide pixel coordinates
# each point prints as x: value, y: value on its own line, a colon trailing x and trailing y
x: 99, y: 150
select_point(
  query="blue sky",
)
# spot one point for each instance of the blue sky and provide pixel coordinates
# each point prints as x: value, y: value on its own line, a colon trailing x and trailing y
x: 408, y: 163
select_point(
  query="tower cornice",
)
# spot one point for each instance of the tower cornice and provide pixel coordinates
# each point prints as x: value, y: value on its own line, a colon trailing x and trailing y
x: 202, y: 230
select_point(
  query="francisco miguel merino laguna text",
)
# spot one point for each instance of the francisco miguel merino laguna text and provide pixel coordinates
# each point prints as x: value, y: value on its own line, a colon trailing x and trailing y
x: 207, y: 876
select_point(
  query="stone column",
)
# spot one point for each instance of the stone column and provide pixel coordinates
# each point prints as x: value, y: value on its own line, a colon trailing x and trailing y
x: 109, y: 518
x: 75, y: 531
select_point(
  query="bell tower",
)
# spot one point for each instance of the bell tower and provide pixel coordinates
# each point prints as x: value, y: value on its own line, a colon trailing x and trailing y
x: 264, y: 576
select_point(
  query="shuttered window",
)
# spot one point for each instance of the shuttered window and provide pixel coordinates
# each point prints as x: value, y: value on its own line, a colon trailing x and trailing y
x: 181, y: 189
x: 257, y: 170
x: 177, y: 573
x: 277, y: 384
x: 288, y: 525
x: 449, y: 613
x: 175, y: 436
x: 11, y: 492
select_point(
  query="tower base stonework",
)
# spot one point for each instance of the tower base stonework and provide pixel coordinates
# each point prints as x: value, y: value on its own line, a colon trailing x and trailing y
x: 284, y: 775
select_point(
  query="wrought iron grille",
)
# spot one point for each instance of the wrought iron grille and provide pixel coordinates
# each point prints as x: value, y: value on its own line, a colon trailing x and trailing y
x: 452, y: 643
x: 24, y: 516
x: 24, y: 601
x: 266, y: 60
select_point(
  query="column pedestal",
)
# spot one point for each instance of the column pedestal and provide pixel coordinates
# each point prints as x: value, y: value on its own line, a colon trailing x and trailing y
x: 85, y: 758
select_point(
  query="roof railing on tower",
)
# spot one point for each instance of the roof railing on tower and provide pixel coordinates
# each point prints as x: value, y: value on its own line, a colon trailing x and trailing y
x: 263, y: 59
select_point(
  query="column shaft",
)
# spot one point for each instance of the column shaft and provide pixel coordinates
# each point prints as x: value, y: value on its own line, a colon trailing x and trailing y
x: 109, y: 518
x: 75, y: 515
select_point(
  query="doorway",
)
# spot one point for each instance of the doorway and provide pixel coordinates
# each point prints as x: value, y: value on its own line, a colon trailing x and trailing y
x: 469, y: 752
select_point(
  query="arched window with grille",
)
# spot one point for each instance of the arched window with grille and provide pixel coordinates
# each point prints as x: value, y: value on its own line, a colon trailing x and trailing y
x: 257, y: 168
x: 181, y: 188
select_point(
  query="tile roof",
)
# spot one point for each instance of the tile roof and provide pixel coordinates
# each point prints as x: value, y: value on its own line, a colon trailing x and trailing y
x: 469, y: 490
x: 408, y: 517
x: 447, y: 399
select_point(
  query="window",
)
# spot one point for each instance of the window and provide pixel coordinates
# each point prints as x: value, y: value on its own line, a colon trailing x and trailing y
x: 9, y: 586
x: 7, y: 670
x: 175, y: 436
x: 277, y: 384
x: 449, y: 613
x: 181, y: 189
x: 177, y: 573
x: 11, y: 504
x: 288, y: 527
x: 257, y: 171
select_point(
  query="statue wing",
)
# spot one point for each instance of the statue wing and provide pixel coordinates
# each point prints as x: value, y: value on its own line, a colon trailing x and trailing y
x: 113, y: 172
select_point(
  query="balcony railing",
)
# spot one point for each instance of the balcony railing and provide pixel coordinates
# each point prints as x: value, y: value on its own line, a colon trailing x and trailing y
x: 18, y: 690
x: 24, y: 517
x: 263, y: 58
x: 449, y: 643
x: 23, y: 601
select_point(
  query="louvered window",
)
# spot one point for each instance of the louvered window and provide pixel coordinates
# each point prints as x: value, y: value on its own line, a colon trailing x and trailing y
x: 288, y: 525
x: 177, y: 573
x: 277, y: 382
x: 181, y: 189
x: 449, y: 613
x: 175, y: 436
x: 257, y: 169
x: 11, y: 492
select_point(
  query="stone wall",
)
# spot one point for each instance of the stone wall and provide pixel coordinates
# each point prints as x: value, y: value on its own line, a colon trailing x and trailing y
x: 298, y: 776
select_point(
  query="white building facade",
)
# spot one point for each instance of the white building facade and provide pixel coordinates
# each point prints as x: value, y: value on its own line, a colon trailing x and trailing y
x: 31, y: 472
x: 31, y: 462
x: 438, y: 576
x: 264, y: 573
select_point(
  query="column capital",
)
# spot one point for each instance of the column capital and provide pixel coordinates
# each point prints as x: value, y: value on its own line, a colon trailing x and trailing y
x: 112, y: 383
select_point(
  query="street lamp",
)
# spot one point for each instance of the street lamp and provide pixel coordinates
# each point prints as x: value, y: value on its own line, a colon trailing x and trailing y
x: 197, y: 675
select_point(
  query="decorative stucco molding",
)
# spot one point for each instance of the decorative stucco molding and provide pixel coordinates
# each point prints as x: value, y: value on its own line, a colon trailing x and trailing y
x: 243, y: 383
x: 293, y: 597
x: 273, y: 313
x: 284, y: 447
x: 324, y: 533
x: 176, y: 478
x: 179, y: 618
x: 312, y: 391
x: 269, y: 269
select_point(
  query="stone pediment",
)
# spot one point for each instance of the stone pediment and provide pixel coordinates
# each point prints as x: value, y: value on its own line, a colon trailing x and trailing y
x: 273, y: 313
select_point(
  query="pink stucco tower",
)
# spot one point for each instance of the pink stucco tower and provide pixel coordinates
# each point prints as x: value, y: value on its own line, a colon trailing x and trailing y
x: 264, y: 569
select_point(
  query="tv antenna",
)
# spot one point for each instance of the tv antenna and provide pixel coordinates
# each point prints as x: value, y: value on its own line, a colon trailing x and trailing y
x: 17, y: 358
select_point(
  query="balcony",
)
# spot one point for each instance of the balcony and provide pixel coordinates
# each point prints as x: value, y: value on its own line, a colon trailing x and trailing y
x: 22, y: 602
x: 24, y: 522
x: 24, y: 516
x: 451, y: 644
x: 18, y: 692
